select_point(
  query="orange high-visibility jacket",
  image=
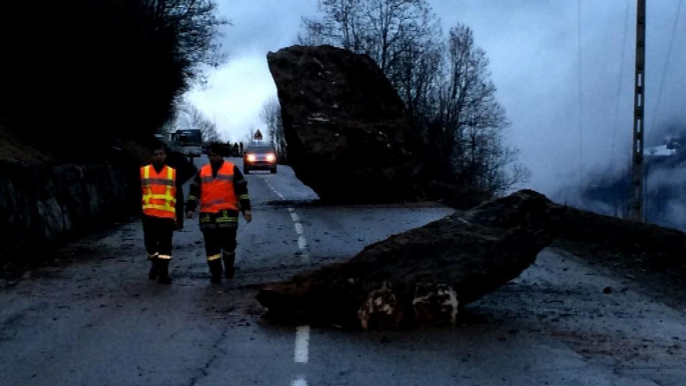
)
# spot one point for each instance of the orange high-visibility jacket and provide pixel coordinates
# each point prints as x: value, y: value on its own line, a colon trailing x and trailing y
x: 217, y: 192
x: 159, y: 191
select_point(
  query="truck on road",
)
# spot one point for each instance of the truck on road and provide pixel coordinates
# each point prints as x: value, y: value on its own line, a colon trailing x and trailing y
x: 187, y: 142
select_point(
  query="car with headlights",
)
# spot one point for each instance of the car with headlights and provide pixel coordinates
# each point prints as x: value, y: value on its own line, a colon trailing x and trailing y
x: 259, y: 157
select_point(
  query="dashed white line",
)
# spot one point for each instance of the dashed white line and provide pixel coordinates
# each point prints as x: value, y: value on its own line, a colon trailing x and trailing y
x: 299, y: 228
x: 302, y: 243
x: 272, y: 188
x: 302, y: 333
x: 299, y: 382
x: 302, y: 343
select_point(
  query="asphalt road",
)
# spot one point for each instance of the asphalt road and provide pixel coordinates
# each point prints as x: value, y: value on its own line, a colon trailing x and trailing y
x: 95, y: 319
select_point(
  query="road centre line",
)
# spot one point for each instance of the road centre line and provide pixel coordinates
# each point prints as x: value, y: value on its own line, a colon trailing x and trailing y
x: 302, y: 343
x: 302, y: 333
x: 299, y: 382
x: 302, y: 242
x: 272, y: 188
x: 299, y: 228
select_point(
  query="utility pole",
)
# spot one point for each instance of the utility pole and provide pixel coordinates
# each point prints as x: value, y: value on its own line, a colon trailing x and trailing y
x: 639, y: 103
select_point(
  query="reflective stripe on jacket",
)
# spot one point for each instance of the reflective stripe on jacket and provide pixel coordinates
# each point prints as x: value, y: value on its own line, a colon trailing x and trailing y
x: 159, y: 191
x: 217, y: 192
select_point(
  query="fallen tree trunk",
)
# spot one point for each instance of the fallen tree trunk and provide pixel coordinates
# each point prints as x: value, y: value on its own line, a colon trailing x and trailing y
x: 473, y: 253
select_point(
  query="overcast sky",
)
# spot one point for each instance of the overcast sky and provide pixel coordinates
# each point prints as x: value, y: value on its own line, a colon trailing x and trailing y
x: 534, y: 51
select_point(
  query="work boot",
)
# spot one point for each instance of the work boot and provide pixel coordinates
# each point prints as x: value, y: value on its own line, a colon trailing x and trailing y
x: 164, y: 271
x: 215, y: 271
x: 229, y: 260
x: 154, y: 269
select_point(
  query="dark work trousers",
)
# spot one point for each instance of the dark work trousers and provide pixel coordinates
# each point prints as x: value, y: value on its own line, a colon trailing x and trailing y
x: 219, y: 242
x: 157, y: 234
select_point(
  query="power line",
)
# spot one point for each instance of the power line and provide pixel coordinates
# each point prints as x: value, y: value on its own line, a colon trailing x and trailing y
x: 664, y: 70
x: 581, y: 135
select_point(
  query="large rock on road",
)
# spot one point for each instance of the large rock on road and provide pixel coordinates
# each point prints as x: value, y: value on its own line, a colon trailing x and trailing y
x: 460, y: 259
x: 349, y: 136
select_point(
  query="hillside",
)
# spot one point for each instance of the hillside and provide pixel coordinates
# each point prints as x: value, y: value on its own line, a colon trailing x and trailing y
x: 99, y: 148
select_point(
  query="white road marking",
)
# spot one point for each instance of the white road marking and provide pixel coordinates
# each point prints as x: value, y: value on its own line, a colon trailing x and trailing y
x: 302, y: 333
x: 298, y: 228
x: 302, y: 243
x: 299, y: 382
x: 302, y: 343
x: 273, y: 190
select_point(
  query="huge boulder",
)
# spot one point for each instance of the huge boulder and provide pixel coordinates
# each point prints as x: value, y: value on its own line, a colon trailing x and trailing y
x: 349, y: 136
x: 468, y: 253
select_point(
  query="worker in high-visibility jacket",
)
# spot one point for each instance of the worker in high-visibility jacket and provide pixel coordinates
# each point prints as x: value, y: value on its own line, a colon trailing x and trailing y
x: 221, y: 192
x: 162, y: 211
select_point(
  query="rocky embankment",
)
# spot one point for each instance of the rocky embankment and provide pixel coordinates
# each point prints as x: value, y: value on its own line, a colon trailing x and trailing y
x: 42, y: 205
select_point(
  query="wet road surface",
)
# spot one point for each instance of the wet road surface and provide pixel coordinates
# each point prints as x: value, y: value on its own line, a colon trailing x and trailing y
x: 95, y: 319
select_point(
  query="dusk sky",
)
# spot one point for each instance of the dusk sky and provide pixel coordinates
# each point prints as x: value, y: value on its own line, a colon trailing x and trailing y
x: 536, y: 64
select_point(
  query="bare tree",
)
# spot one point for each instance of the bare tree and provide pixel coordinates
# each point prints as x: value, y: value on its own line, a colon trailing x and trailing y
x: 446, y: 87
x: 271, y: 116
x: 196, y: 28
x: 389, y: 31
x: 401, y: 36
x: 469, y: 120
x: 208, y: 128
x: 340, y: 26
x: 417, y: 74
x: 190, y: 117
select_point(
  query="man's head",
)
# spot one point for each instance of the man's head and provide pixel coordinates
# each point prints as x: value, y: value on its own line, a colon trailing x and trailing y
x: 214, y: 152
x: 159, y: 153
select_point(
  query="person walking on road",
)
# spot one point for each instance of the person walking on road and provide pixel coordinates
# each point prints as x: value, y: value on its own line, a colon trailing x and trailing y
x: 162, y: 212
x: 235, y: 151
x: 221, y: 191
